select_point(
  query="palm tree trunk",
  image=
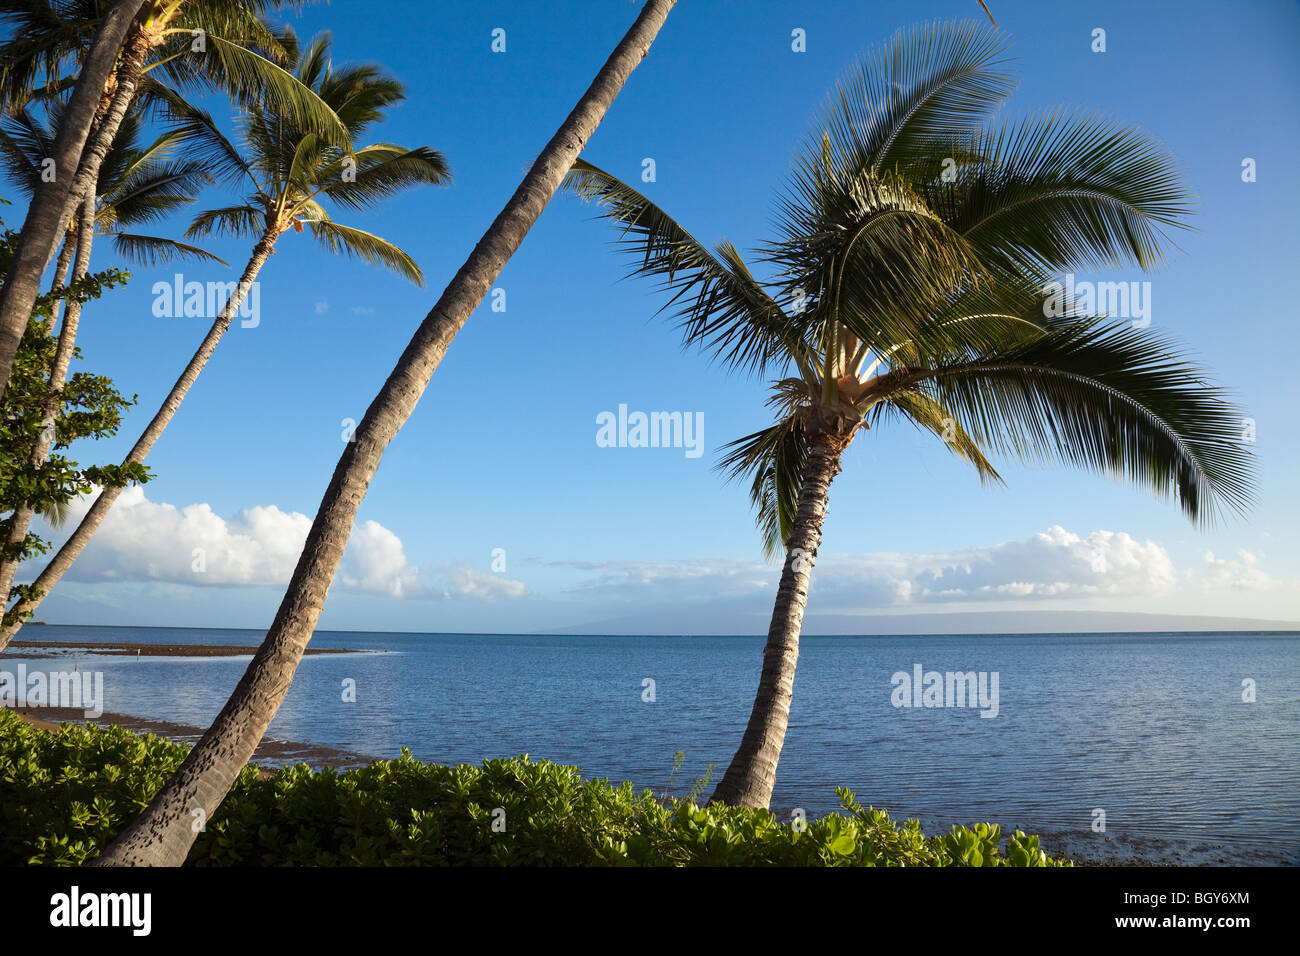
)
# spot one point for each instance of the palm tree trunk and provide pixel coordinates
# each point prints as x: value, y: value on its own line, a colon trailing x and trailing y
x: 78, y: 244
x: 113, y: 108
x: 749, y: 780
x: 162, y: 836
x: 21, y: 519
x: 93, y: 518
x: 53, y: 203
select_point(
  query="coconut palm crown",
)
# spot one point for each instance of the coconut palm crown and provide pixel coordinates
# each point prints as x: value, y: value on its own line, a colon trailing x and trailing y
x: 288, y: 172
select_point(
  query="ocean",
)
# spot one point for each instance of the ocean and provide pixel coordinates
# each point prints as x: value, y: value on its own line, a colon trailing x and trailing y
x: 1156, y: 731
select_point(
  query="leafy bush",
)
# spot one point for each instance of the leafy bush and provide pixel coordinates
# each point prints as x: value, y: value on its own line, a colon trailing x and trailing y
x: 64, y: 794
x: 86, y: 407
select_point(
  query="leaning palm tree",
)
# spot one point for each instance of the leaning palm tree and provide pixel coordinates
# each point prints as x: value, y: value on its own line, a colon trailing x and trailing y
x: 139, y: 185
x: 289, y: 173
x: 163, y: 835
x: 906, y: 283
x: 209, y: 44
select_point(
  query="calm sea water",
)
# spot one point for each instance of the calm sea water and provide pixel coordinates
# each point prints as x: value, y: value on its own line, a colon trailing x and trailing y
x: 1151, y: 728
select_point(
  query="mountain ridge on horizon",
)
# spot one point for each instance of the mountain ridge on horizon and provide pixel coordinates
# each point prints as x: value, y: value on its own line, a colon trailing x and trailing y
x: 984, y: 622
x: 865, y: 625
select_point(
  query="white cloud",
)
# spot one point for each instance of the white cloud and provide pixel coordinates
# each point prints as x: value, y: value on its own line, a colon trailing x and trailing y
x: 376, y: 561
x: 1052, y: 564
x: 322, y: 306
x: 1243, y: 574
x: 463, y: 581
x: 143, y: 540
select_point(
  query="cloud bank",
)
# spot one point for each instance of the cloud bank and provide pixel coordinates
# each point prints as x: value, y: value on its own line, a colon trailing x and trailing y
x: 1053, y: 564
x: 143, y: 540
x: 148, y: 541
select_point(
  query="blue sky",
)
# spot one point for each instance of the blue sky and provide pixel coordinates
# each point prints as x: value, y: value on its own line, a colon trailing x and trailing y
x: 501, y: 451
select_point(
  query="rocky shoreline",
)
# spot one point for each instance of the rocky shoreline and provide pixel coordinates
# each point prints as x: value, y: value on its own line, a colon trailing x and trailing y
x: 271, y: 753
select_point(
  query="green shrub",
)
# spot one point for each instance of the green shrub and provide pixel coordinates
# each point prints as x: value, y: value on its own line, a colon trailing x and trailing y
x: 64, y: 794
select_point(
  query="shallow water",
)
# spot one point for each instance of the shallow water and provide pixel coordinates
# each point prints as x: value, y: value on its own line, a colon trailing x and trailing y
x: 1150, y: 728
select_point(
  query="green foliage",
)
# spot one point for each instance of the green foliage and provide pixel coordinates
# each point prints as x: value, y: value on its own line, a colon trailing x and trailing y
x: 290, y: 169
x: 242, y: 55
x: 137, y: 184
x: 65, y: 794
x: 89, y: 407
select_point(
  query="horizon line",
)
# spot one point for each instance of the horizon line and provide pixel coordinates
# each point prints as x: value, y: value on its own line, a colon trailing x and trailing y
x: 1045, y: 633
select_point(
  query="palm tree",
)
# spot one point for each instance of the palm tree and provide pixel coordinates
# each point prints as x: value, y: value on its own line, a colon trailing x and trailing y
x: 907, y: 280
x: 221, y: 44
x: 162, y: 836
x: 140, y: 185
x: 289, y: 172
x: 51, y: 207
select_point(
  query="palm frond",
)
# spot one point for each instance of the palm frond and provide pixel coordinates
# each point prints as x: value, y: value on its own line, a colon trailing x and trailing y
x: 25, y: 142
x: 382, y: 171
x: 928, y: 415
x: 718, y: 303
x: 151, y: 192
x: 1066, y: 191
x: 1105, y: 397
x: 869, y: 252
x: 1001, y: 311
x: 365, y: 246
x: 202, y: 138
x: 932, y: 83
x: 360, y: 95
x: 245, y: 220
x: 251, y: 77
x: 42, y: 38
x: 773, y: 460
x: 157, y: 151
x: 150, y: 251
